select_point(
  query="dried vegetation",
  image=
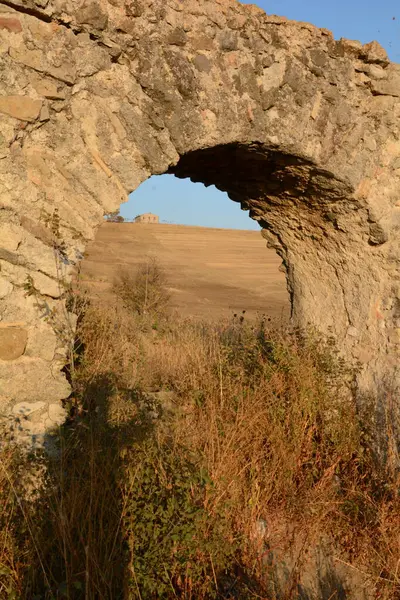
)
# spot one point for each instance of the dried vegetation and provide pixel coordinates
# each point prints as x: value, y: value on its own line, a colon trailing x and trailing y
x: 202, y: 461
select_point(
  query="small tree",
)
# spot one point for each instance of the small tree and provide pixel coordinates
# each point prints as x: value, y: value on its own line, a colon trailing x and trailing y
x: 115, y: 217
x: 145, y: 292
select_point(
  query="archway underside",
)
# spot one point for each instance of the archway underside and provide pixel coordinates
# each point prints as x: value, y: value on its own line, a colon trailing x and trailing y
x: 256, y: 171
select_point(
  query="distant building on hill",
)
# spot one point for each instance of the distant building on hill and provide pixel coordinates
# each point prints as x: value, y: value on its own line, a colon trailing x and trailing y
x: 147, y: 218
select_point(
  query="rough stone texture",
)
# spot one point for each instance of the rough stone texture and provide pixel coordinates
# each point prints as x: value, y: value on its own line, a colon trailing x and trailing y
x: 301, y: 129
x: 20, y: 107
x: 5, y: 288
x: 10, y: 236
x: 40, y: 382
x: 29, y: 418
x: 12, y: 342
x: 11, y: 24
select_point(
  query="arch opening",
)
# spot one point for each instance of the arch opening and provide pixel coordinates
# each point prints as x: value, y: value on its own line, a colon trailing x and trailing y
x: 299, y: 207
x: 215, y: 264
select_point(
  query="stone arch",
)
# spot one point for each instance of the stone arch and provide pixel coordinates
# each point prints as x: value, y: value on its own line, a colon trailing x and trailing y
x: 299, y: 128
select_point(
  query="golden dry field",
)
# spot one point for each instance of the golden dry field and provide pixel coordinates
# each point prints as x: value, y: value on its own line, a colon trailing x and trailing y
x: 211, y: 272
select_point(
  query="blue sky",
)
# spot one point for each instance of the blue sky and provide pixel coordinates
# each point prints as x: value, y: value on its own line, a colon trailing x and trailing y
x: 183, y: 202
x: 180, y: 201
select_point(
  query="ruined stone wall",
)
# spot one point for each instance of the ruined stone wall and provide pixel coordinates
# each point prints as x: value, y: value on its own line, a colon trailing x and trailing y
x: 303, y: 130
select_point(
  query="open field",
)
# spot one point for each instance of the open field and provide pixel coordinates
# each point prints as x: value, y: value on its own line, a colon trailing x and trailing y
x: 211, y: 272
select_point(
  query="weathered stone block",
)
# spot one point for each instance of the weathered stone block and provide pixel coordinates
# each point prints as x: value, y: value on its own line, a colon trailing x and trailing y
x: 228, y: 41
x: 5, y: 287
x: 26, y: 409
x: 12, y: 342
x: 38, y: 230
x: 27, y: 378
x: 177, y: 37
x: 23, y: 108
x: 44, y: 114
x: 47, y: 286
x: 375, y: 53
x: 376, y: 72
x: 49, y: 89
x: 12, y: 24
x: 202, y: 43
x: 31, y: 58
x: 387, y: 87
x: 377, y: 234
x: 10, y: 236
x: 351, y: 47
x: 91, y: 13
x: 56, y: 414
x: 34, y: 252
x: 57, y: 63
x: 202, y: 63
x: 42, y: 342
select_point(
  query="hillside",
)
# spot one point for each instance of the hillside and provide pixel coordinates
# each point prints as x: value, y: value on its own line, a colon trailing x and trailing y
x: 211, y: 272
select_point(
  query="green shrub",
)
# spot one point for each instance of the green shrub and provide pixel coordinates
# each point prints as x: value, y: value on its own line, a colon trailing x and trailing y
x: 179, y: 547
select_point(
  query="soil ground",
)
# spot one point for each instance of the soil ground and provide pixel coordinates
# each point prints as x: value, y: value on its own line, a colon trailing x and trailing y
x: 211, y: 272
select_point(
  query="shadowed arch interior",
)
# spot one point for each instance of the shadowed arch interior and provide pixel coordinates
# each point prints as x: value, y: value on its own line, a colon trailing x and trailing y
x: 256, y: 171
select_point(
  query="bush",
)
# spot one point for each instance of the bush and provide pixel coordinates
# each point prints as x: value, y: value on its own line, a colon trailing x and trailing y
x: 178, y: 546
x: 114, y: 217
x: 144, y: 292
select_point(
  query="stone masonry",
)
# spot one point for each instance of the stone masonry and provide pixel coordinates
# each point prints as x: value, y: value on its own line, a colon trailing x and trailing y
x: 302, y: 130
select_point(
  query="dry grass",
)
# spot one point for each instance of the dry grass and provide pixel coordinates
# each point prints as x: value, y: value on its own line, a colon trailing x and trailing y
x: 10, y: 553
x: 261, y: 459
x: 272, y: 417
